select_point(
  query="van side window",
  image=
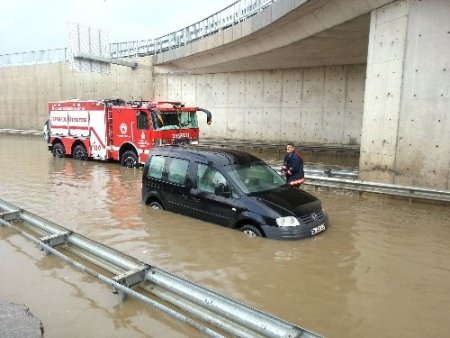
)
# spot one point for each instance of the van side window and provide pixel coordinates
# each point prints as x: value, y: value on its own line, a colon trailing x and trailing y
x: 209, y: 178
x: 178, y: 170
x: 156, y: 167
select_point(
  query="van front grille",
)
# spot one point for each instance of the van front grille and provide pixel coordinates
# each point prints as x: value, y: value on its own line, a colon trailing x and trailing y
x: 313, y: 217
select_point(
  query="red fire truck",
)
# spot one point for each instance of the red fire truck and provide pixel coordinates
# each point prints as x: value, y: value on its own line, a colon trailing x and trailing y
x: 117, y: 130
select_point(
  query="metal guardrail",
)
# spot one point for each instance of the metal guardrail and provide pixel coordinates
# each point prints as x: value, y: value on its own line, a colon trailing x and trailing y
x: 408, y: 192
x: 34, y: 57
x: 349, y: 148
x: 348, y: 180
x: 21, y: 132
x: 225, y: 18
x: 208, y: 312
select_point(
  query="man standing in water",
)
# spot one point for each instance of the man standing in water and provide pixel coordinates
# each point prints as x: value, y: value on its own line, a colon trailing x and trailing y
x: 293, y: 167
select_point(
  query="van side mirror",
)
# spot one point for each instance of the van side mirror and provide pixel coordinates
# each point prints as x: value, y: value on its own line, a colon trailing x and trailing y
x: 222, y: 190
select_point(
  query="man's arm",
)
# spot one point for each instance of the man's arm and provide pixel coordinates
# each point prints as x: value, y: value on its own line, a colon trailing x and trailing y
x: 295, y: 165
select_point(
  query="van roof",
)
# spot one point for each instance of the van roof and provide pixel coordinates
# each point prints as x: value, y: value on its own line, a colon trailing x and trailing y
x: 218, y: 156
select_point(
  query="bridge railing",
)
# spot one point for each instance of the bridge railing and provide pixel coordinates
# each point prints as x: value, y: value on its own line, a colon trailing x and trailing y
x: 227, y: 17
x: 34, y: 57
x: 223, y: 19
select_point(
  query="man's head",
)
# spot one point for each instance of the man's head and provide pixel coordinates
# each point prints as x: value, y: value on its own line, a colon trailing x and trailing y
x: 290, y: 147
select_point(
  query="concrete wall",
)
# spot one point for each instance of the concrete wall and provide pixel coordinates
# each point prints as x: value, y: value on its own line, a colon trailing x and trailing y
x: 309, y: 105
x: 406, y: 126
x: 26, y: 90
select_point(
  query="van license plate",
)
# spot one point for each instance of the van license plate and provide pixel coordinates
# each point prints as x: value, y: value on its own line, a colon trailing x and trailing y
x: 317, y: 229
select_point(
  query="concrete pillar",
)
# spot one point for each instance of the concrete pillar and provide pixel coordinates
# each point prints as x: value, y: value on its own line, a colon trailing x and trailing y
x: 406, y: 124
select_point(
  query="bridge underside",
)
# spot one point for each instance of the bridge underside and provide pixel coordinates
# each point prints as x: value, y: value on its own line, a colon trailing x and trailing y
x: 344, y: 44
x: 284, y: 44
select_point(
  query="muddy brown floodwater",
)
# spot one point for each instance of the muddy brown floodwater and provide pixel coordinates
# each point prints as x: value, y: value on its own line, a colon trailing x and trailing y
x: 381, y: 269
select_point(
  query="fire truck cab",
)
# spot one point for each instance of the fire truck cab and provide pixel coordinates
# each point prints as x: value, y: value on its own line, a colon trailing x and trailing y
x: 113, y: 129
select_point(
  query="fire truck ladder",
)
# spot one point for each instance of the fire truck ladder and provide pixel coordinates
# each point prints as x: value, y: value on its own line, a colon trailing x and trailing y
x: 110, y: 130
x: 210, y: 313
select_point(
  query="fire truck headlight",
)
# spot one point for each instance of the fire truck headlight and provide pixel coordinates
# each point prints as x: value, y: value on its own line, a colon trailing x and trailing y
x: 160, y: 141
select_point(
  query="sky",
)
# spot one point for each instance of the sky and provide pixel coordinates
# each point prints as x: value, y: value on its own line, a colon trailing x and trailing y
x: 27, y: 25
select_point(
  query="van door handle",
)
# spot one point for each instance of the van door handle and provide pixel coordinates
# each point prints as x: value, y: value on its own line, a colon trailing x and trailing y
x: 195, y: 192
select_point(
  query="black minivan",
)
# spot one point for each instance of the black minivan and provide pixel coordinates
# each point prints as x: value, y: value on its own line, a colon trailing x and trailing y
x: 231, y: 188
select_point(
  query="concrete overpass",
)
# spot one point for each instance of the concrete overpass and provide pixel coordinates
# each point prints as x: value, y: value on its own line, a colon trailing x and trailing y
x: 288, y: 34
x: 373, y: 73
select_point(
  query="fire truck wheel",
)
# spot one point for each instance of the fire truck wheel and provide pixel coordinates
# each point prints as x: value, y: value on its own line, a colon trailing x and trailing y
x: 58, y: 150
x: 80, y: 153
x: 156, y: 205
x: 129, y: 159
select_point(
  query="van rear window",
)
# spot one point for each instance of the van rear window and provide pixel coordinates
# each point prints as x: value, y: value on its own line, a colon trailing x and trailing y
x: 156, y: 167
x: 177, y: 169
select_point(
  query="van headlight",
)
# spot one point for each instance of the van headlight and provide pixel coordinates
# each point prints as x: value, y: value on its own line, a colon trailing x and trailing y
x: 288, y: 221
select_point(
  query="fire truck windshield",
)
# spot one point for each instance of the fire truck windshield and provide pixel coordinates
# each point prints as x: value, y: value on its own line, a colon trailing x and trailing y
x: 174, y: 120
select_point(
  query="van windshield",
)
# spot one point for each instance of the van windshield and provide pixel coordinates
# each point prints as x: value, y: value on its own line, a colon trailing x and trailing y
x: 255, y: 177
x: 175, y: 120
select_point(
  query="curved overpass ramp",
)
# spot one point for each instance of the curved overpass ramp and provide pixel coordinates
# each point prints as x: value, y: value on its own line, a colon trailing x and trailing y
x: 287, y: 34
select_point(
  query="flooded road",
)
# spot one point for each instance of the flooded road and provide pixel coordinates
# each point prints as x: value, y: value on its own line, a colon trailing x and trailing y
x: 381, y: 269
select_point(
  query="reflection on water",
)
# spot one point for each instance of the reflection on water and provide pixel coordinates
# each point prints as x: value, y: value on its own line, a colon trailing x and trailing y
x: 382, y: 265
